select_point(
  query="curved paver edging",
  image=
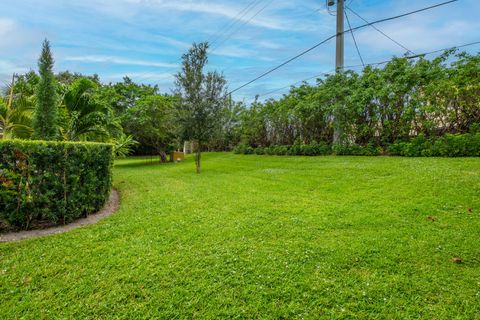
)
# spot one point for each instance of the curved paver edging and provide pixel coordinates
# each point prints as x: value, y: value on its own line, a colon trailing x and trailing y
x: 110, y: 207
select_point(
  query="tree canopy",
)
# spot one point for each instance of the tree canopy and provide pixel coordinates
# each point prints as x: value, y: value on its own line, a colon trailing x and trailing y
x: 380, y: 106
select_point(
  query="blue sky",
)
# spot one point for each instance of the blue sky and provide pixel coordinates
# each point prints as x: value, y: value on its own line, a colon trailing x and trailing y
x: 144, y: 39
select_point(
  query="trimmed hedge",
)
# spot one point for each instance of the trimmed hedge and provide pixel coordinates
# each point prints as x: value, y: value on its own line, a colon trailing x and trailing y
x: 52, y: 181
x: 312, y: 149
x: 449, y: 145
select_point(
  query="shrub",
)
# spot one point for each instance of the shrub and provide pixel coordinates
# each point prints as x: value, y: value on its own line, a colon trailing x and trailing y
x: 357, y: 150
x: 396, y: 149
x: 457, y: 145
x: 259, y: 150
x: 475, y: 128
x: 239, y: 149
x: 295, y: 150
x: 449, y: 145
x: 249, y: 150
x: 269, y: 150
x: 280, y: 150
x: 52, y: 181
x: 312, y: 149
x: 243, y: 149
x: 322, y: 148
x: 307, y: 150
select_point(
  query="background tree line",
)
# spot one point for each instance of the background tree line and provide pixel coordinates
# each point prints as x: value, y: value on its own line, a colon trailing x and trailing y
x: 397, y: 102
x: 404, y: 99
x: 134, y: 117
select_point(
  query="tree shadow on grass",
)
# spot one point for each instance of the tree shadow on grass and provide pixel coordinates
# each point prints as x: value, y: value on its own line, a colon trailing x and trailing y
x: 141, y: 163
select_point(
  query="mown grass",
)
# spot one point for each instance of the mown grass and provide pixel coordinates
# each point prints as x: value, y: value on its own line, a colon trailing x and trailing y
x: 264, y: 237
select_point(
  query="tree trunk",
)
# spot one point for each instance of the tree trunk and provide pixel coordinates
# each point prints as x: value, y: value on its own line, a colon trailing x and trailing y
x: 198, y: 156
x: 163, y: 156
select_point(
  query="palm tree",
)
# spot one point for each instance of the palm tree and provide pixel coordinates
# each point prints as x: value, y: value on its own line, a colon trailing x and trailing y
x: 16, y: 113
x: 85, y: 117
x: 123, y: 145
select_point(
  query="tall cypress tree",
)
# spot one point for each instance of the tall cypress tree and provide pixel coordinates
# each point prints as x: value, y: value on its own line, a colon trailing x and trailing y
x: 46, y: 110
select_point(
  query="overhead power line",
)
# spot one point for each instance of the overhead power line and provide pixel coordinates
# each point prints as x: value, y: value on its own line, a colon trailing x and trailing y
x: 333, y: 36
x: 241, y: 25
x: 226, y: 28
x: 373, y: 64
x: 381, y: 32
x: 282, y: 64
x: 218, y: 35
x: 298, y: 82
x: 242, y: 13
x: 418, y: 55
x: 354, y: 40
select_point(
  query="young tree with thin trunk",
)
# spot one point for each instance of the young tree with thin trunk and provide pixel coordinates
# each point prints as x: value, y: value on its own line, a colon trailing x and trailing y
x: 45, y: 125
x: 202, y: 99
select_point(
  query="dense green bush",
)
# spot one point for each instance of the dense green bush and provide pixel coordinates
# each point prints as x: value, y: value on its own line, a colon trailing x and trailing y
x: 259, y: 150
x: 298, y: 149
x: 378, y: 106
x: 449, y: 145
x: 52, y: 181
x: 357, y: 150
x: 243, y: 149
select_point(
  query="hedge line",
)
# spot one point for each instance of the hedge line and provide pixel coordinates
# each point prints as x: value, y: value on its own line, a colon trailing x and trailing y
x: 52, y: 181
x: 449, y: 145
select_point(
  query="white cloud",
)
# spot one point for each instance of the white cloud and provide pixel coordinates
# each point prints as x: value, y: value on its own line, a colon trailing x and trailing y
x: 6, y: 26
x: 16, y: 45
x: 226, y: 11
x: 171, y: 41
x: 13, y: 36
x: 416, y: 35
x: 234, y: 52
x: 164, y: 79
x: 119, y: 60
x: 426, y: 31
x: 142, y: 75
x: 126, y: 9
x: 268, y: 44
x: 8, y: 67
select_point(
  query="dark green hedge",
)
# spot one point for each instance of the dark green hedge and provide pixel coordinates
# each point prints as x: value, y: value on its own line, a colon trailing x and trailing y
x: 449, y: 145
x: 52, y: 181
x: 312, y: 149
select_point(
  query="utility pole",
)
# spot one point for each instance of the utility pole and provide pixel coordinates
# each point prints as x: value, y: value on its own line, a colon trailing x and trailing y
x: 340, y: 38
x: 339, y: 57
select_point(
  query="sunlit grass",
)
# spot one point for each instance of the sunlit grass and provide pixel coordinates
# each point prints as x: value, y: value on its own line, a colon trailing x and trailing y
x: 264, y: 237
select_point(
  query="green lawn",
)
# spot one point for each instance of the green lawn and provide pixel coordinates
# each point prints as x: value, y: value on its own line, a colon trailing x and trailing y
x: 264, y: 237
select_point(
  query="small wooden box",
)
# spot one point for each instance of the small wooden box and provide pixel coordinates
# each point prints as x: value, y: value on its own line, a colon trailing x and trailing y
x: 177, y: 156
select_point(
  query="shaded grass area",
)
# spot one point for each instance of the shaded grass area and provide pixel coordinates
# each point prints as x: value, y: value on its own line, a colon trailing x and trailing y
x: 264, y: 237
